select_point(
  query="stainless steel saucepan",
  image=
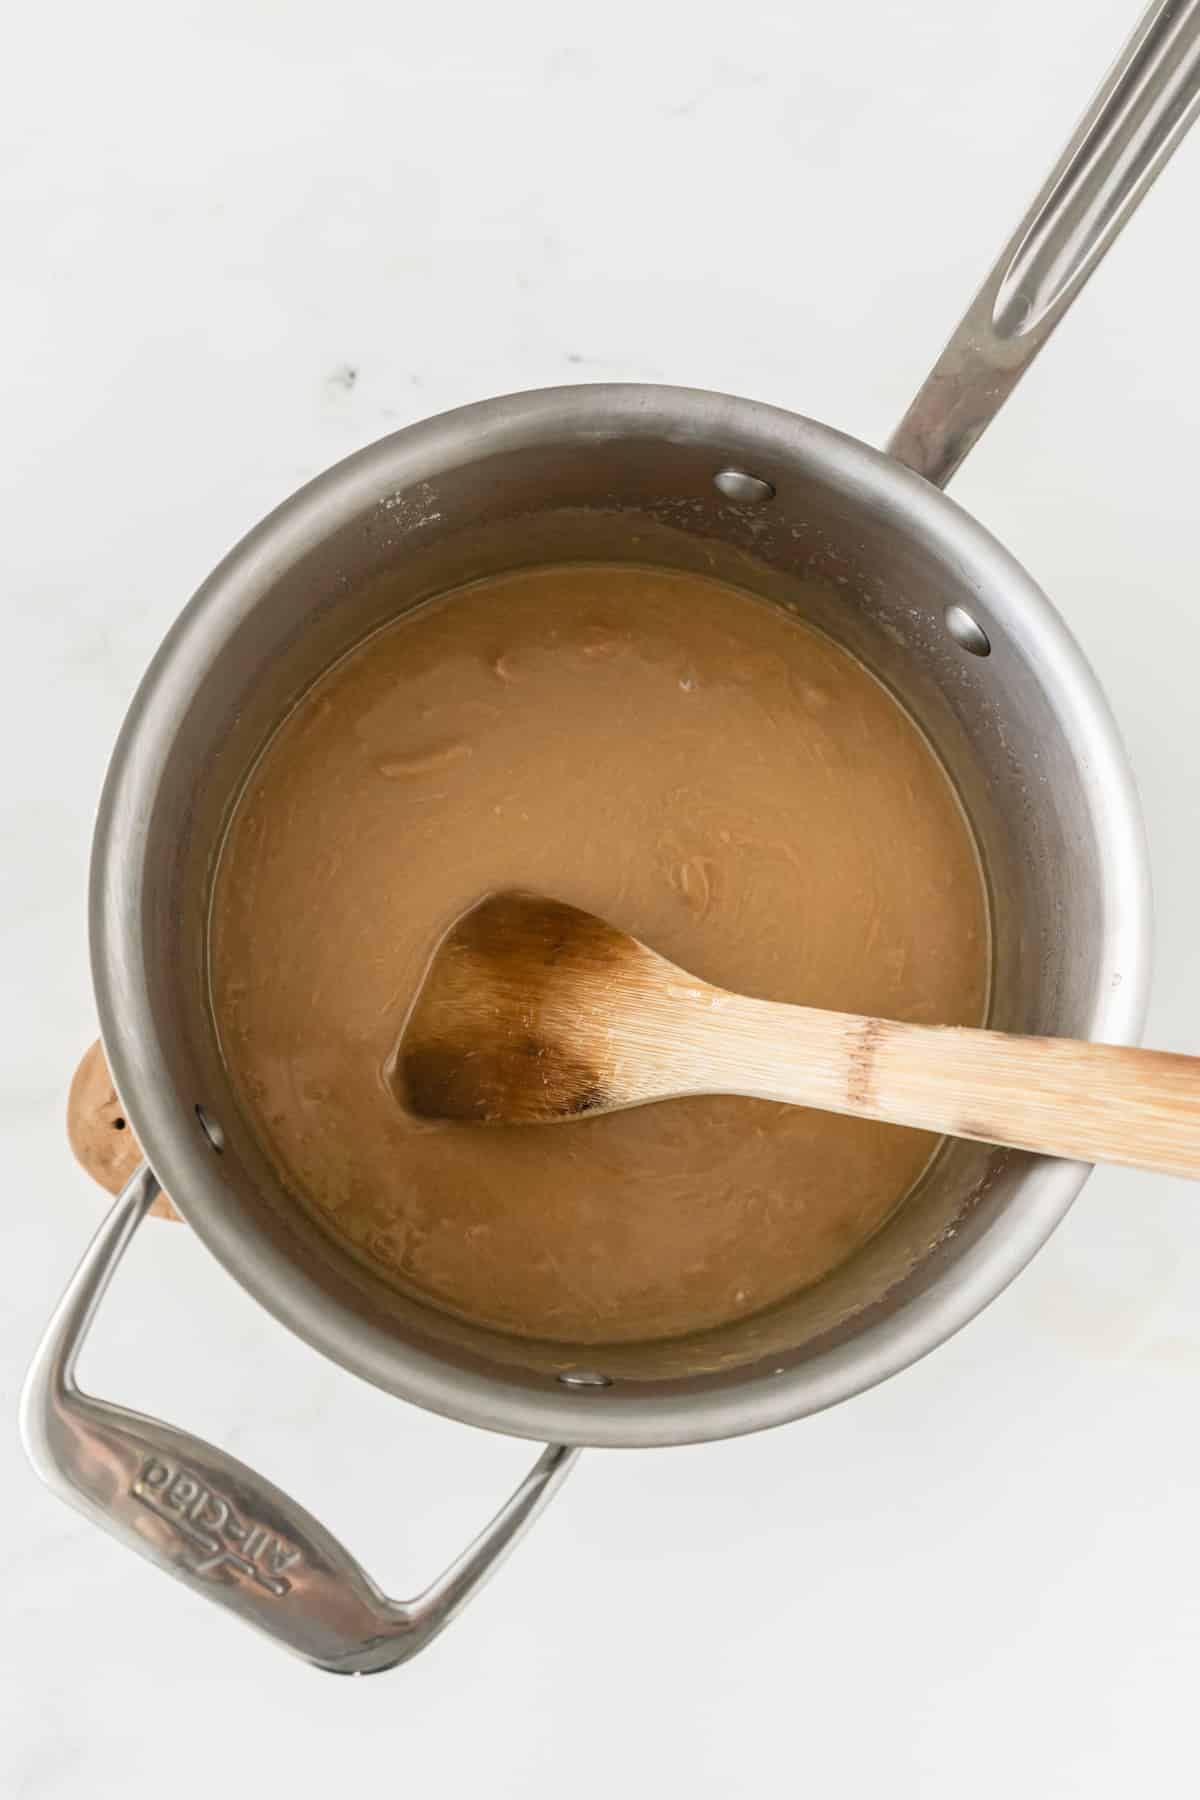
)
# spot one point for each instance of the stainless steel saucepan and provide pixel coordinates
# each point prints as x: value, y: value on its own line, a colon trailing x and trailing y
x: 906, y: 580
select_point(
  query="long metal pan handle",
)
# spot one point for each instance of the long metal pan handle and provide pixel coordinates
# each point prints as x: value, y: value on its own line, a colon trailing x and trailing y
x: 207, y: 1519
x: 1136, y: 120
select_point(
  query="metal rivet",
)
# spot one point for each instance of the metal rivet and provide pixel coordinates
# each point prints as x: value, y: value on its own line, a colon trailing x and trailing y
x: 584, y: 1378
x: 737, y: 484
x: 967, y: 632
x: 211, y: 1129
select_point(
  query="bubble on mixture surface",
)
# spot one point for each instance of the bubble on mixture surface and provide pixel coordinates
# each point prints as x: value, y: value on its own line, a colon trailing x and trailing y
x: 600, y: 644
x: 693, y: 880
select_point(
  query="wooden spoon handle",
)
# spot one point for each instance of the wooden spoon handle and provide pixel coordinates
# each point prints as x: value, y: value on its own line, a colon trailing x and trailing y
x: 1089, y: 1102
x: 99, y: 1133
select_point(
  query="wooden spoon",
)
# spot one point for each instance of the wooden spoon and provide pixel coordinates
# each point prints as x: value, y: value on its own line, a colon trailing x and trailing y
x: 533, y: 1013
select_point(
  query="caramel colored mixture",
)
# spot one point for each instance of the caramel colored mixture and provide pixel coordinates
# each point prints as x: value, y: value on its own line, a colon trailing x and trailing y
x: 696, y: 766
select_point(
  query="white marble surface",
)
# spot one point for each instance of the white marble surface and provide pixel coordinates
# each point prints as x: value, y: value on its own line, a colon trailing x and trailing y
x: 980, y: 1579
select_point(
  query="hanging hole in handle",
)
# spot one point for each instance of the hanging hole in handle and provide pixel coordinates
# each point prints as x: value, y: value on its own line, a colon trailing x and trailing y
x: 118, y: 1124
x: 211, y: 1129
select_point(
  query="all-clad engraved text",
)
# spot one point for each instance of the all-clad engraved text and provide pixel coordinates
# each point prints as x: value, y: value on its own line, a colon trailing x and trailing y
x: 219, y: 1538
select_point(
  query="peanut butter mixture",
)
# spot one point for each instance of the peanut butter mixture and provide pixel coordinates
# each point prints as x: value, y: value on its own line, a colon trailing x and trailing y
x: 692, y: 764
